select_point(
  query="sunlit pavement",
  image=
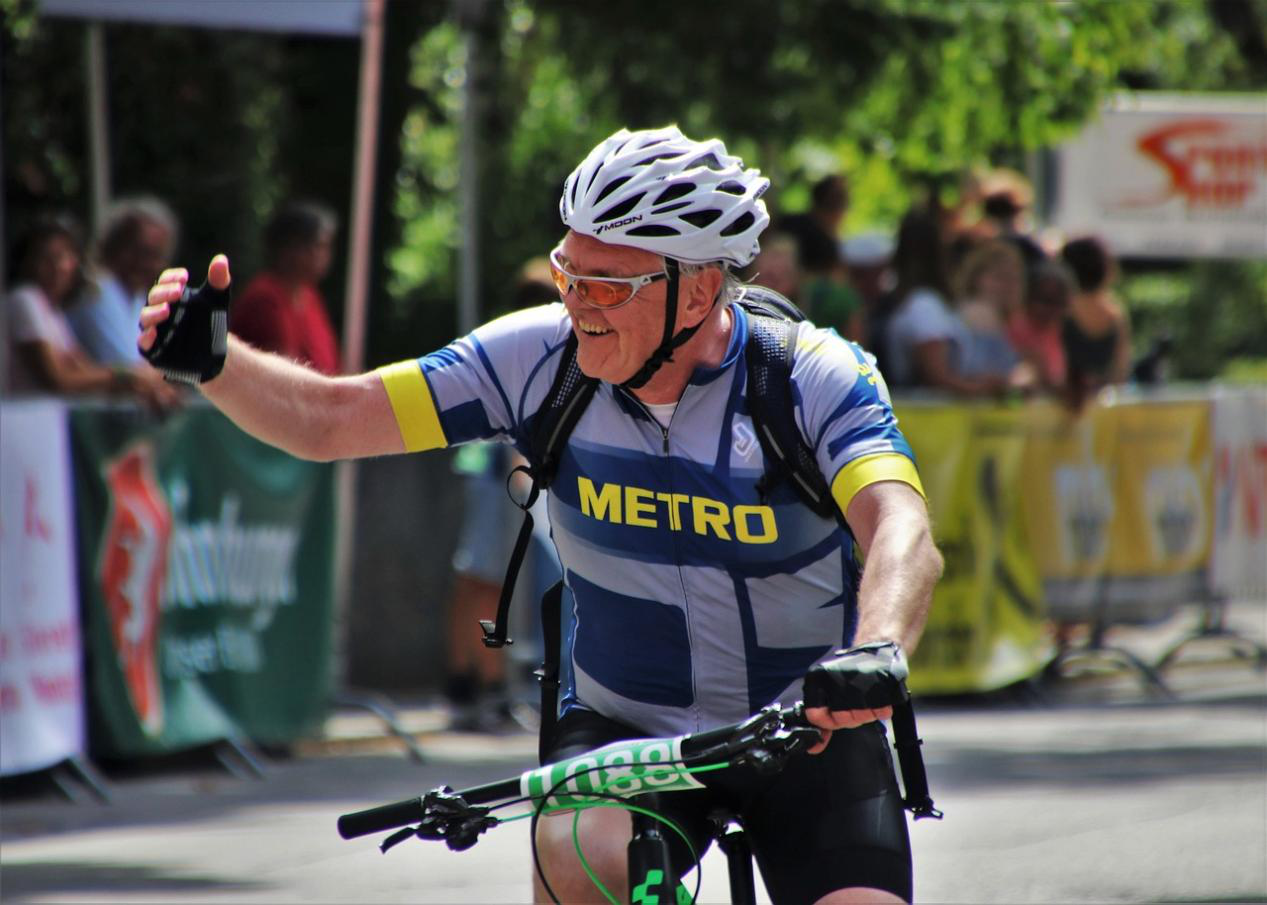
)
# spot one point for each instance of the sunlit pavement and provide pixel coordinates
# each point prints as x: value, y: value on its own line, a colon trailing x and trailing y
x: 1091, y: 790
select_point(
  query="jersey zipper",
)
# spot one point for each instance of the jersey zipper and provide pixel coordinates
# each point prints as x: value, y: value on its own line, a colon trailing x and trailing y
x: 686, y: 603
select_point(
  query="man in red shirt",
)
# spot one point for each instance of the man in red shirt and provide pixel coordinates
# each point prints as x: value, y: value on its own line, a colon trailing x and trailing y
x: 282, y: 310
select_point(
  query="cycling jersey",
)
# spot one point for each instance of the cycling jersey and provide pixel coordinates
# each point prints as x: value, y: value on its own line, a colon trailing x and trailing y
x: 692, y: 601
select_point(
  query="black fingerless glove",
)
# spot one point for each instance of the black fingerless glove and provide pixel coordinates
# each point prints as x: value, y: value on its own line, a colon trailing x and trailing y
x: 192, y: 343
x: 860, y: 678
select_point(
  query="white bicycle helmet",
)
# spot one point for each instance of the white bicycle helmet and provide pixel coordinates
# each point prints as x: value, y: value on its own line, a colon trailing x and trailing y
x: 660, y: 191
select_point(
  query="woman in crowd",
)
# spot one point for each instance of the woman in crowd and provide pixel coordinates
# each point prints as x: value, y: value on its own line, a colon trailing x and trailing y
x: 925, y: 343
x: 1035, y: 330
x: 44, y: 355
x: 1096, y: 334
x: 989, y: 292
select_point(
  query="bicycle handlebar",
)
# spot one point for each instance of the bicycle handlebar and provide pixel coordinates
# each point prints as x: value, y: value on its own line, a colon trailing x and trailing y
x: 385, y: 817
x: 624, y: 769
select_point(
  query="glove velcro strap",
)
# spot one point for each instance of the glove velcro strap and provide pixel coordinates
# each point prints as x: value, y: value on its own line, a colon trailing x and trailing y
x: 191, y: 345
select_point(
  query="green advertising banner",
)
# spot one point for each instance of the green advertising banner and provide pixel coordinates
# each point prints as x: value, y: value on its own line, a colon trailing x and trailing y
x: 986, y: 627
x: 206, y: 579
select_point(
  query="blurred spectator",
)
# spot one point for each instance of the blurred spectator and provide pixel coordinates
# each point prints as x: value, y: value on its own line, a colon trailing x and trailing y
x: 135, y: 244
x: 989, y: 292
x: 1006, y: 197
x: 44, y: 355
x: 476, y: 685
x: 926, y: 344
x: 1036, y: 329
x: 1097, y: 332
x: 777, y: 266
x: 282, y: 309
x: 817, y: 231
x: 826, y: 296
x: 868, y: 262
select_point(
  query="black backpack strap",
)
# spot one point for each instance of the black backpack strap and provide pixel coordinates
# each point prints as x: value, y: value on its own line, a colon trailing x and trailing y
x: 771, y: 344
x: 569, y: 395
x: 548, y: 674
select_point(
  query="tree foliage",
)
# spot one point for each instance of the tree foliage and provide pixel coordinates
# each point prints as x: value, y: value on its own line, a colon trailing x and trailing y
x: 903, y: 95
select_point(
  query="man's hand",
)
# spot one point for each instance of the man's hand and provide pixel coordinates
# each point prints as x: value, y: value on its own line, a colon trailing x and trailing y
x: 183, y: 334
x: 858, y: 686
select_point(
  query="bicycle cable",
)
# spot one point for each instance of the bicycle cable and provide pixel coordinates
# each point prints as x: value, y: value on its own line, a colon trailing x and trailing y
x: 618, y: 801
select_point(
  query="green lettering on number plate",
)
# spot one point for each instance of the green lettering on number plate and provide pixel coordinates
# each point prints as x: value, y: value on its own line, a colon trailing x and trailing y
x: 622, y: 768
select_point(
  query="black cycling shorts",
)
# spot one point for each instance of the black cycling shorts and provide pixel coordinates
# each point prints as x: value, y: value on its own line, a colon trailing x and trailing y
x: 828, y: 821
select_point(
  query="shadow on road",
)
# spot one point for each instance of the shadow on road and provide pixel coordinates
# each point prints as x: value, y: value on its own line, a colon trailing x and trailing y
x: 65, y: 877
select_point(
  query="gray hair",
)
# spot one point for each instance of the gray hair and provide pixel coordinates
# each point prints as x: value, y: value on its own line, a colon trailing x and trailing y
x: 123, y: 221
x: 731, y: 285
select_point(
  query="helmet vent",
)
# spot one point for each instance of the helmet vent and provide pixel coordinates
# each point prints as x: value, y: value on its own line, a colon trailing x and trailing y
x: 675, y: 191
x: 654, y: 157
x: 653, y: 229
x: 740, y: 224
x: 707, y: 160
x: 620, y: 209
x: 669, y: 208
x: 611, y: 187
x: 732, y: 188
x: 700, y: 219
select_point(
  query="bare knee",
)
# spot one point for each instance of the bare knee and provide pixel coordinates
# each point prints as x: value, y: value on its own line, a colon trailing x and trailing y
x: 604, y: 837
x: 860, y: 895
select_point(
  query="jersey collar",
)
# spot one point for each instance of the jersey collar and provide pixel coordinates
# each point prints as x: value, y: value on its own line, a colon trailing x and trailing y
x: 738, y: 340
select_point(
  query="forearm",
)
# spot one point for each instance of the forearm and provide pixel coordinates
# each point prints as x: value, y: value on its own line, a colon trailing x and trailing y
x: 902, y: 568
x: 67, y: 372
x: 294, y: 408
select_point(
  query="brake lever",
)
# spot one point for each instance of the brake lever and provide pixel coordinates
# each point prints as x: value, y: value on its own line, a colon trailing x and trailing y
x: 447, y: 816
x: 767, y: 740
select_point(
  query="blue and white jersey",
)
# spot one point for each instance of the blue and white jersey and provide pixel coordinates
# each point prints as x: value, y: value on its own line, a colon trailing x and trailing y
x: 693, y: 602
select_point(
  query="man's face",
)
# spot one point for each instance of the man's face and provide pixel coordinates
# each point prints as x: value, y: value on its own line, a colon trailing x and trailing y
x: 614, y: 343
x: 142, y: 261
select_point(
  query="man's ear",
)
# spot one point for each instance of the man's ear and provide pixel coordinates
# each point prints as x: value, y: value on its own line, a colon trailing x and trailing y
x: 701, y: 292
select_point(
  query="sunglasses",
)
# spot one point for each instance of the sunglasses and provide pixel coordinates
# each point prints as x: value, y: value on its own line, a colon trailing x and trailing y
x: 599, y: 292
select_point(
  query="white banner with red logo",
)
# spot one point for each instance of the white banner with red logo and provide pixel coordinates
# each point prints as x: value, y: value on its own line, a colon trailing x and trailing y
x: 1238, y: 567
x: 41, y: 703
x: 1169, y: 175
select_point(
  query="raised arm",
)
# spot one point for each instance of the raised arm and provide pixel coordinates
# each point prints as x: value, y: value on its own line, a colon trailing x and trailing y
x: 281, y: 402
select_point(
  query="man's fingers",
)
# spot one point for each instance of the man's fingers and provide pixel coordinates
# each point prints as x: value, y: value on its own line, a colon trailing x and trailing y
x: 845, y: 719
x: 218, y: 272
x: 165, y: 291
x: 173, y: 274
x: 825, y: 736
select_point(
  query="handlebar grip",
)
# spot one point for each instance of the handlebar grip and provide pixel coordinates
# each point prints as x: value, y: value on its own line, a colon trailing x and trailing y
x: 384, y: 817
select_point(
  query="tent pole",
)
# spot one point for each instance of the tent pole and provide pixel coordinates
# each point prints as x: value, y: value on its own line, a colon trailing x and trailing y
x: 356, y: 308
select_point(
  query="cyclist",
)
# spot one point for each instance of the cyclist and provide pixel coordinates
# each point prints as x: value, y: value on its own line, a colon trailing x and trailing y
x: 693, y: 598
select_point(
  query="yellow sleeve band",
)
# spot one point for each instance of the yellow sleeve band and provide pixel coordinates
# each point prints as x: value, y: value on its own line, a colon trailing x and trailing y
x: 413, y: 406
x: 871, y: 470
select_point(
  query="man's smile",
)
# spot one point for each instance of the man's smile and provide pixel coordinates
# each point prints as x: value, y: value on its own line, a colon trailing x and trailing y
x: 589, y: 328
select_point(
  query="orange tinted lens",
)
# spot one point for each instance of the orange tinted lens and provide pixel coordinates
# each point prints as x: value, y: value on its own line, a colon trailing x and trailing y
x: 560, y: 279
x: 600, y: 294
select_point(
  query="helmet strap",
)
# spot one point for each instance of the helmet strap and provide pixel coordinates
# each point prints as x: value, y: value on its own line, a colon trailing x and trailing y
x: 669, y: 342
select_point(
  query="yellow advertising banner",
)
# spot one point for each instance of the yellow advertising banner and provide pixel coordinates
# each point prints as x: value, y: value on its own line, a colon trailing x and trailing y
x: 1118, y: 504
x: 986, y: 628
x: 1044, y: 514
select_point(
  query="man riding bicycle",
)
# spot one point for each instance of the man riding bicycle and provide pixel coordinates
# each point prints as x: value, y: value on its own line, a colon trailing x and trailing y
x: 695, y: 594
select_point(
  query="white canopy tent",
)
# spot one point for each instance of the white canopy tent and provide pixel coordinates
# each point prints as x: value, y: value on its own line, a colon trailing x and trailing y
x: 347, y: 18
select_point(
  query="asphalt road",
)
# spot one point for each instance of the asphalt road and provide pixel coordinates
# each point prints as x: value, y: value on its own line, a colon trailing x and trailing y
x: 1093, y: 792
